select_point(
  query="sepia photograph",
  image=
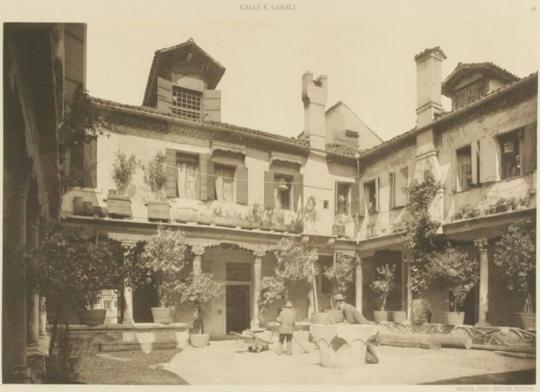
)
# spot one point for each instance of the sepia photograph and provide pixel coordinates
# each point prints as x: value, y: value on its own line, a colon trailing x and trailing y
x: 301, y: 194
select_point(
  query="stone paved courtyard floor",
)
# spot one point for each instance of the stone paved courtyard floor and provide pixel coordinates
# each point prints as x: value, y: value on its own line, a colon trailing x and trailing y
x: 221, y: 363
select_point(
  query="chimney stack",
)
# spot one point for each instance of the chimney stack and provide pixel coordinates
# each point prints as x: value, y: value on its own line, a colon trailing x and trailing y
x: 314, y: 94
x: 428, y: 85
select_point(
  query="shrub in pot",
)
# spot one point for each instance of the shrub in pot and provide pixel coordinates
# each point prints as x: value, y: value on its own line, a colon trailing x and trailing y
x: 515, y: 253
x: 156, y: 179
x: 70, y: 270
x: 383, y: 287
x: 453, y: 269
x: 340, y: 274
x: 118, y: 204
x: 165, y: 256
x: 198, y: 290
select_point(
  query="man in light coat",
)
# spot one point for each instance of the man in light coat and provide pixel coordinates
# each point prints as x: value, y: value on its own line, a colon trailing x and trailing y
x: 287, y: 321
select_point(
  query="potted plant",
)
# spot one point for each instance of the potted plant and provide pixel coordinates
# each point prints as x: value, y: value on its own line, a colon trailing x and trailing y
x: 199, y: 290
x: 383, y: 287
x: 340, y: 275
x: 70, y: 270
x: 156, y: 178
x: 501, y: 205
x: 165, y: 255
x: 118, y: 203
x: 515, y: 253
x: 453, y: 269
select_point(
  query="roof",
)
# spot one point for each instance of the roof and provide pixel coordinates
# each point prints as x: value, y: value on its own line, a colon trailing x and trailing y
x: 453, y: 114
x: 341, y: 103
x: 241, y: 131
x: 464, y: 69
x: 213, y: 73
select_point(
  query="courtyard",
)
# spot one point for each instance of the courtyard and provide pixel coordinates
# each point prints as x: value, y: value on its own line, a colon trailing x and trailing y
x: 223, y: 363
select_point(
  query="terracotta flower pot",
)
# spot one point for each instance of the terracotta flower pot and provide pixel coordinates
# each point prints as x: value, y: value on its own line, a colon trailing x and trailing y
x: 380, y: 316
x: 399, y: 316
x: 454, y: 318
x: 527, y: 320
x: 119, y: 206
x: 199, y: 339
x: 162, y: 315
x: 92, y: 317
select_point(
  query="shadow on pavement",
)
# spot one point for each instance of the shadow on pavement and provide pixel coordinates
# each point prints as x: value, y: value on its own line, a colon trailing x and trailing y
x: 520, y: 377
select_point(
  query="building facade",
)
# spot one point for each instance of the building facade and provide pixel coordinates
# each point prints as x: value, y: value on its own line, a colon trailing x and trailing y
x: 236, y: 192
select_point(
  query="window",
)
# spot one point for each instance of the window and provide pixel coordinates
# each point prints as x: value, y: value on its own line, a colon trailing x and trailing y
x: 186, y: 103
x: 224, y: 183
x: 282, y: 193
x: 187, y: 183
x: 510, y: 155
x: 464, y: 168
x: 469, y: 93
x: 372, y: 196
x: 398, y: 182
x: 343, y: 191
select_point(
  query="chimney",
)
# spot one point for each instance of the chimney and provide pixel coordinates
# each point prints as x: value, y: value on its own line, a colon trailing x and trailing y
x: 428, y: 85
x: 314, y: 94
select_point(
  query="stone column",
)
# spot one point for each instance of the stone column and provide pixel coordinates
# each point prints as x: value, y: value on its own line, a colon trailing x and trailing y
x: 127, y: 303
x: 359, y: 285
x: 198, y: 251
x: 257, y: 279
x: 32, y: 241
x: 311, y: 302
x: 482, y: 246
x: 409, y: 292
x: 42, y: 316
x: 14, y: 329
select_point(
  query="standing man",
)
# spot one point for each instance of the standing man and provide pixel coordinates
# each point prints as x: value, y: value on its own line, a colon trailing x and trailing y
x: 287, y: 321
x: 353, y: 316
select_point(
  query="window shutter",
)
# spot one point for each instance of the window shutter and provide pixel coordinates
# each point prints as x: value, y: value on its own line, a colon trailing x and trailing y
x: 164, y: 95
x: 89, y: 163
x: 393, y: 190
x: 203, y: 176
x: 401, y: 179
x: 489, y: 159
x: 355, y: 199
x: 336, y: 197
x: 475, y: 161
x: 529, y: 149
x: 361, y: 200
x: 211, y: 107
x: 241, y: 185
x: 171, y: 171
x: 210, y: 180
x: 269, y: 189
x: 297, y: 189
x: 377, y: 194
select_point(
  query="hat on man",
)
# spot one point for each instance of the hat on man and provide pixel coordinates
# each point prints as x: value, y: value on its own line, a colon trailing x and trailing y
x: 339, y: 297
x: 288, y: 304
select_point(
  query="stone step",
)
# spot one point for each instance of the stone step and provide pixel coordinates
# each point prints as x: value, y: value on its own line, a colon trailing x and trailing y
x: 136, y: 346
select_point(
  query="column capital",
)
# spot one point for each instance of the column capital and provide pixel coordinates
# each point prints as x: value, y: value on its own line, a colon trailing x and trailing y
x: 259, y: 253
x: 481, y: 244
x: 198, y: 249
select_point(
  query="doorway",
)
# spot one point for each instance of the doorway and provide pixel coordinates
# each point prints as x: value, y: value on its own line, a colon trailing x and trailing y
x: 237, y: 307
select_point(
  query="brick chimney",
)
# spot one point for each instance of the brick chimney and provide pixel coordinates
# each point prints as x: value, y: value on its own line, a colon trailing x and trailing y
x: 428, y: 85
x: 314, y: 94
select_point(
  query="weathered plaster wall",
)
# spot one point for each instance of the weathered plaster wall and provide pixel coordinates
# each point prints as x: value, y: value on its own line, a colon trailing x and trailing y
x: 382, y: 223
x: 487, y: 126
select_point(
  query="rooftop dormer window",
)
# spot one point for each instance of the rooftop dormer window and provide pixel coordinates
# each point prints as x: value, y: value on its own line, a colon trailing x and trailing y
x: 186, y: 103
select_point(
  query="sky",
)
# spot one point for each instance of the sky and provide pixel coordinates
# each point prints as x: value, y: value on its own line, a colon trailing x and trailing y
x: 365, y: 48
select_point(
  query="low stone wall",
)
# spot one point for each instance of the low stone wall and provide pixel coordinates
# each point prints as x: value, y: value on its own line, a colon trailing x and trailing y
x: 119, y: 337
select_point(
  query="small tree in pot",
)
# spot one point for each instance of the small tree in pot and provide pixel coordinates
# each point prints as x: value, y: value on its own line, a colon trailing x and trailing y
x: 165, y: 255
x: 515, y: 253
x: 199, y: 290
x: 383, y: 286
x: 454, y: 269
x: 69, y: 270
x: 156, y: 178
x: 118, y: 204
